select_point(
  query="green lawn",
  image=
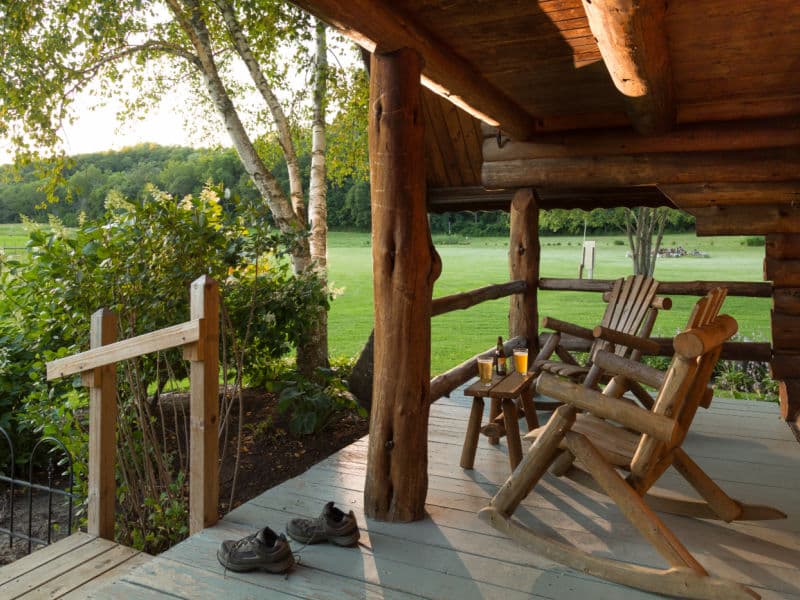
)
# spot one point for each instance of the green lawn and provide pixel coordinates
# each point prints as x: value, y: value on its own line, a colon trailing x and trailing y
x: 12, y: 235
x: 459, y: 335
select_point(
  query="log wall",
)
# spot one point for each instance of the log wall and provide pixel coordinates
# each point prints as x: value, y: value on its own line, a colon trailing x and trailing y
x: 782, y: 267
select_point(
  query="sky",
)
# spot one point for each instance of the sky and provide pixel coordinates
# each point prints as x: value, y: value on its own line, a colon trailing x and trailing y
x: 97, y: 129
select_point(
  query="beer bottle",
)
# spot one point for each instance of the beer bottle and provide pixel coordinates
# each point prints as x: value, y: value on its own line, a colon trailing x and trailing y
x: 500, y: 357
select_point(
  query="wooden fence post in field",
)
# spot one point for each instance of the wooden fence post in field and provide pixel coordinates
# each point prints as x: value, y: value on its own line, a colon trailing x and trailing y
x: 204, y: 407
x: 102, y: 383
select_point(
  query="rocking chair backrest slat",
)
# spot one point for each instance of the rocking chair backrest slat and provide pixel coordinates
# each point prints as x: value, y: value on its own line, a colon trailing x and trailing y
x: 630, y: 301
x: 688, y: 376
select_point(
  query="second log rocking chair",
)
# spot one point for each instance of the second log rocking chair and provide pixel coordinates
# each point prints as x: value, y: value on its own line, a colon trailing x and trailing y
x: 620, y: 435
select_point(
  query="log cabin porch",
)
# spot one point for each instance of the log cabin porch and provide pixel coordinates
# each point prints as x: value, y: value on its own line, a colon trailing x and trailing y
x: 451, y: 553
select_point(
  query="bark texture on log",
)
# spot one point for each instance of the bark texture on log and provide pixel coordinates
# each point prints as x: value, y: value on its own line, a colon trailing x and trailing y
x: 523, y: 262
x: 633, y: 42
x: 405, y: 266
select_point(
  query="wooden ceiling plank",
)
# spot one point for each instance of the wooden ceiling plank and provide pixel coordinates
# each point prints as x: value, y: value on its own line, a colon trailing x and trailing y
x: 742, y: 166
x: 437, y: 172
x: 372, y: 23
x: 733, y: 135
x: 633, y: 42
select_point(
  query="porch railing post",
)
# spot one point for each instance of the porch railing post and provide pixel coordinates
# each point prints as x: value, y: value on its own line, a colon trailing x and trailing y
x: 204, y: 407
x: 102, y: 383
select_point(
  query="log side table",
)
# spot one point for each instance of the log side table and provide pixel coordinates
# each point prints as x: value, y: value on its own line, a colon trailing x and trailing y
x: 504, y: 415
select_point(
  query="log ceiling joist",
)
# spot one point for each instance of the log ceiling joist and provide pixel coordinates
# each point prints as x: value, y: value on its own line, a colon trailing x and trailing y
x: 477, y: 198
x: 633, y: 43
x: 763, y: 165
x: 372, y: 23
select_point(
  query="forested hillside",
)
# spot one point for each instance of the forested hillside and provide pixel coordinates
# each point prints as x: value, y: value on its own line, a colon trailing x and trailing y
x: 88, y: 178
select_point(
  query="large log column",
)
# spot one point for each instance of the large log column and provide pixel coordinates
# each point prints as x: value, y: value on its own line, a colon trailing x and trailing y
x: 405, y: 266
x: 523, y: 259
x: 782, y: 267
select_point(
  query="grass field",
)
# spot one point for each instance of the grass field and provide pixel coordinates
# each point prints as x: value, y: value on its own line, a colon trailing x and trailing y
x: 12, y: 237
x: 458, y: 335
x: 483, y: 261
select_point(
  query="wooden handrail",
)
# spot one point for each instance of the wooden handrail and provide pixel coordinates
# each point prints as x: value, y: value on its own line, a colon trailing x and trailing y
x: 468, y: 299
x: 199, y: 338
x: 750, y: 289
x: 156, y: 341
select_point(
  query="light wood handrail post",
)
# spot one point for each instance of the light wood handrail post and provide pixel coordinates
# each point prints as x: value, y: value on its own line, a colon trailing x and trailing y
x: 102, y: 383
x: 204, y: 407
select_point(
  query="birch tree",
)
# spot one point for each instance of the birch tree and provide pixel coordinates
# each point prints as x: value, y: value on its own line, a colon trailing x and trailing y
x: 51, y: 50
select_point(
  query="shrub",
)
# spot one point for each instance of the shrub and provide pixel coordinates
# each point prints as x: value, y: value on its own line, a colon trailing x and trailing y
x: 138, y: 260
x: 755, y: 240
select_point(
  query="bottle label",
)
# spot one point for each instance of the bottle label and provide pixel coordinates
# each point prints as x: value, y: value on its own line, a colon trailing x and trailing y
x: 501, y: 365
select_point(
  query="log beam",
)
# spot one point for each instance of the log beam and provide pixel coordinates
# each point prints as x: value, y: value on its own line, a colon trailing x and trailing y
x: 704, y: 137
x: 694, y: 195
x: 381, y: 24
x: 405, y: 266
x: 763, y: 165
x: 746, y: 219
x: 523, y: 261
x: 632, y: 40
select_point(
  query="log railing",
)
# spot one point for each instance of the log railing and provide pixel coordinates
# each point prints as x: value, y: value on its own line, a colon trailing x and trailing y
x: 199, y: 338
x: 446, y: 382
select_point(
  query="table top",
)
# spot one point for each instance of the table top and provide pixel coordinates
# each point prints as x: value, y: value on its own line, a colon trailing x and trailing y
x: 508, y: 386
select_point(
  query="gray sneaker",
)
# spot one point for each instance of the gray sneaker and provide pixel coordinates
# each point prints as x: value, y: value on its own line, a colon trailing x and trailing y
x: 264, y: 550
x: 332, y: 525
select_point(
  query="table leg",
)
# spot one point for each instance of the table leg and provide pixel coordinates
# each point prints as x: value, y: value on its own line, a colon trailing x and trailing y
x: 530, y: 409
x: 512, y: 432
x: 494, y: 410
x: 473, y: 432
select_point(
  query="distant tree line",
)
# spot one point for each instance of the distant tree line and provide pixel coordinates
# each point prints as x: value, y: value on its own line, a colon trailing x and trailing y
x: 180, y: 171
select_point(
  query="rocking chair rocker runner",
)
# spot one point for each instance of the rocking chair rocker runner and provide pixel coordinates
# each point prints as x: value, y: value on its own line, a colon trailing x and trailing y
x: 644, y: 443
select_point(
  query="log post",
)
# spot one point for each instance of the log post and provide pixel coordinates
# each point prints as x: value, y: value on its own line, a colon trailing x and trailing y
x: 405, y: 266
x: 102, y: 383
x: 523, y: 259
x: 204, y: 407
x: 782, y: 267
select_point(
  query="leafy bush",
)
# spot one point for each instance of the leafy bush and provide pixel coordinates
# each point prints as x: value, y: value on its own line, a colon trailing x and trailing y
x: 746, y: 379
x: 312, y: 405
x: 138, y: 260
x: 755, y: 240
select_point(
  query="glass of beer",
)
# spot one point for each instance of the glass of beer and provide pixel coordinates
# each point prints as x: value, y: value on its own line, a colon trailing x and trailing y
x: 485, y: 371
x: 521, y: 360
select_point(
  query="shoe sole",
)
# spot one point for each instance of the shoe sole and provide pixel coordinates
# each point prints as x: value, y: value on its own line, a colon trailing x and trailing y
x: 275, y: 567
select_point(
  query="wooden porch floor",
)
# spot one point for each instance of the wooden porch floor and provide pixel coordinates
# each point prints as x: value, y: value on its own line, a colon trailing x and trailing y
x: 453, y: 555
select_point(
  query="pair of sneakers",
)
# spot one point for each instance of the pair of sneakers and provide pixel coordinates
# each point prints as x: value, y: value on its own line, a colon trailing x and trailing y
x: 269, y: 551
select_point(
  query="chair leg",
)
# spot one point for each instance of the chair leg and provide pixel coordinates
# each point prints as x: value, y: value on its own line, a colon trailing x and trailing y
x: 725, y: 507
x: 631, y: 504
x: 562, y: 463
x: 535, y: 463
x: 473, y: 432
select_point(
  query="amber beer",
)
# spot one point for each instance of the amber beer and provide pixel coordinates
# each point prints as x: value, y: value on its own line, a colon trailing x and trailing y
x: 485, y: 370
x: 521, y: 360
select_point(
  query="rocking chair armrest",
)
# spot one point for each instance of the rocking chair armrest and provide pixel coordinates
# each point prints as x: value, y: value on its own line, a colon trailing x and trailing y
x: 629, y: 415
x: 617, y: 365
x: 635, y: 342
x: 568, y: 328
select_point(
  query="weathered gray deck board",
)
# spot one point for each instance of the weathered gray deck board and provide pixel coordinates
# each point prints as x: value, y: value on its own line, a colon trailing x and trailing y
x: 67, y: 568
x: 452, y: 554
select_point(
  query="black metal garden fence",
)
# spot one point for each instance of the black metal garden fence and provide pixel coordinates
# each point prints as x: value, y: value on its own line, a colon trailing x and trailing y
x: 57, y: 450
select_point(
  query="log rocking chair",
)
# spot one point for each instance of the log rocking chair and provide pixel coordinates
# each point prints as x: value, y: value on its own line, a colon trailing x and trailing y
x: 616, y: 434
x: 625, y: 328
